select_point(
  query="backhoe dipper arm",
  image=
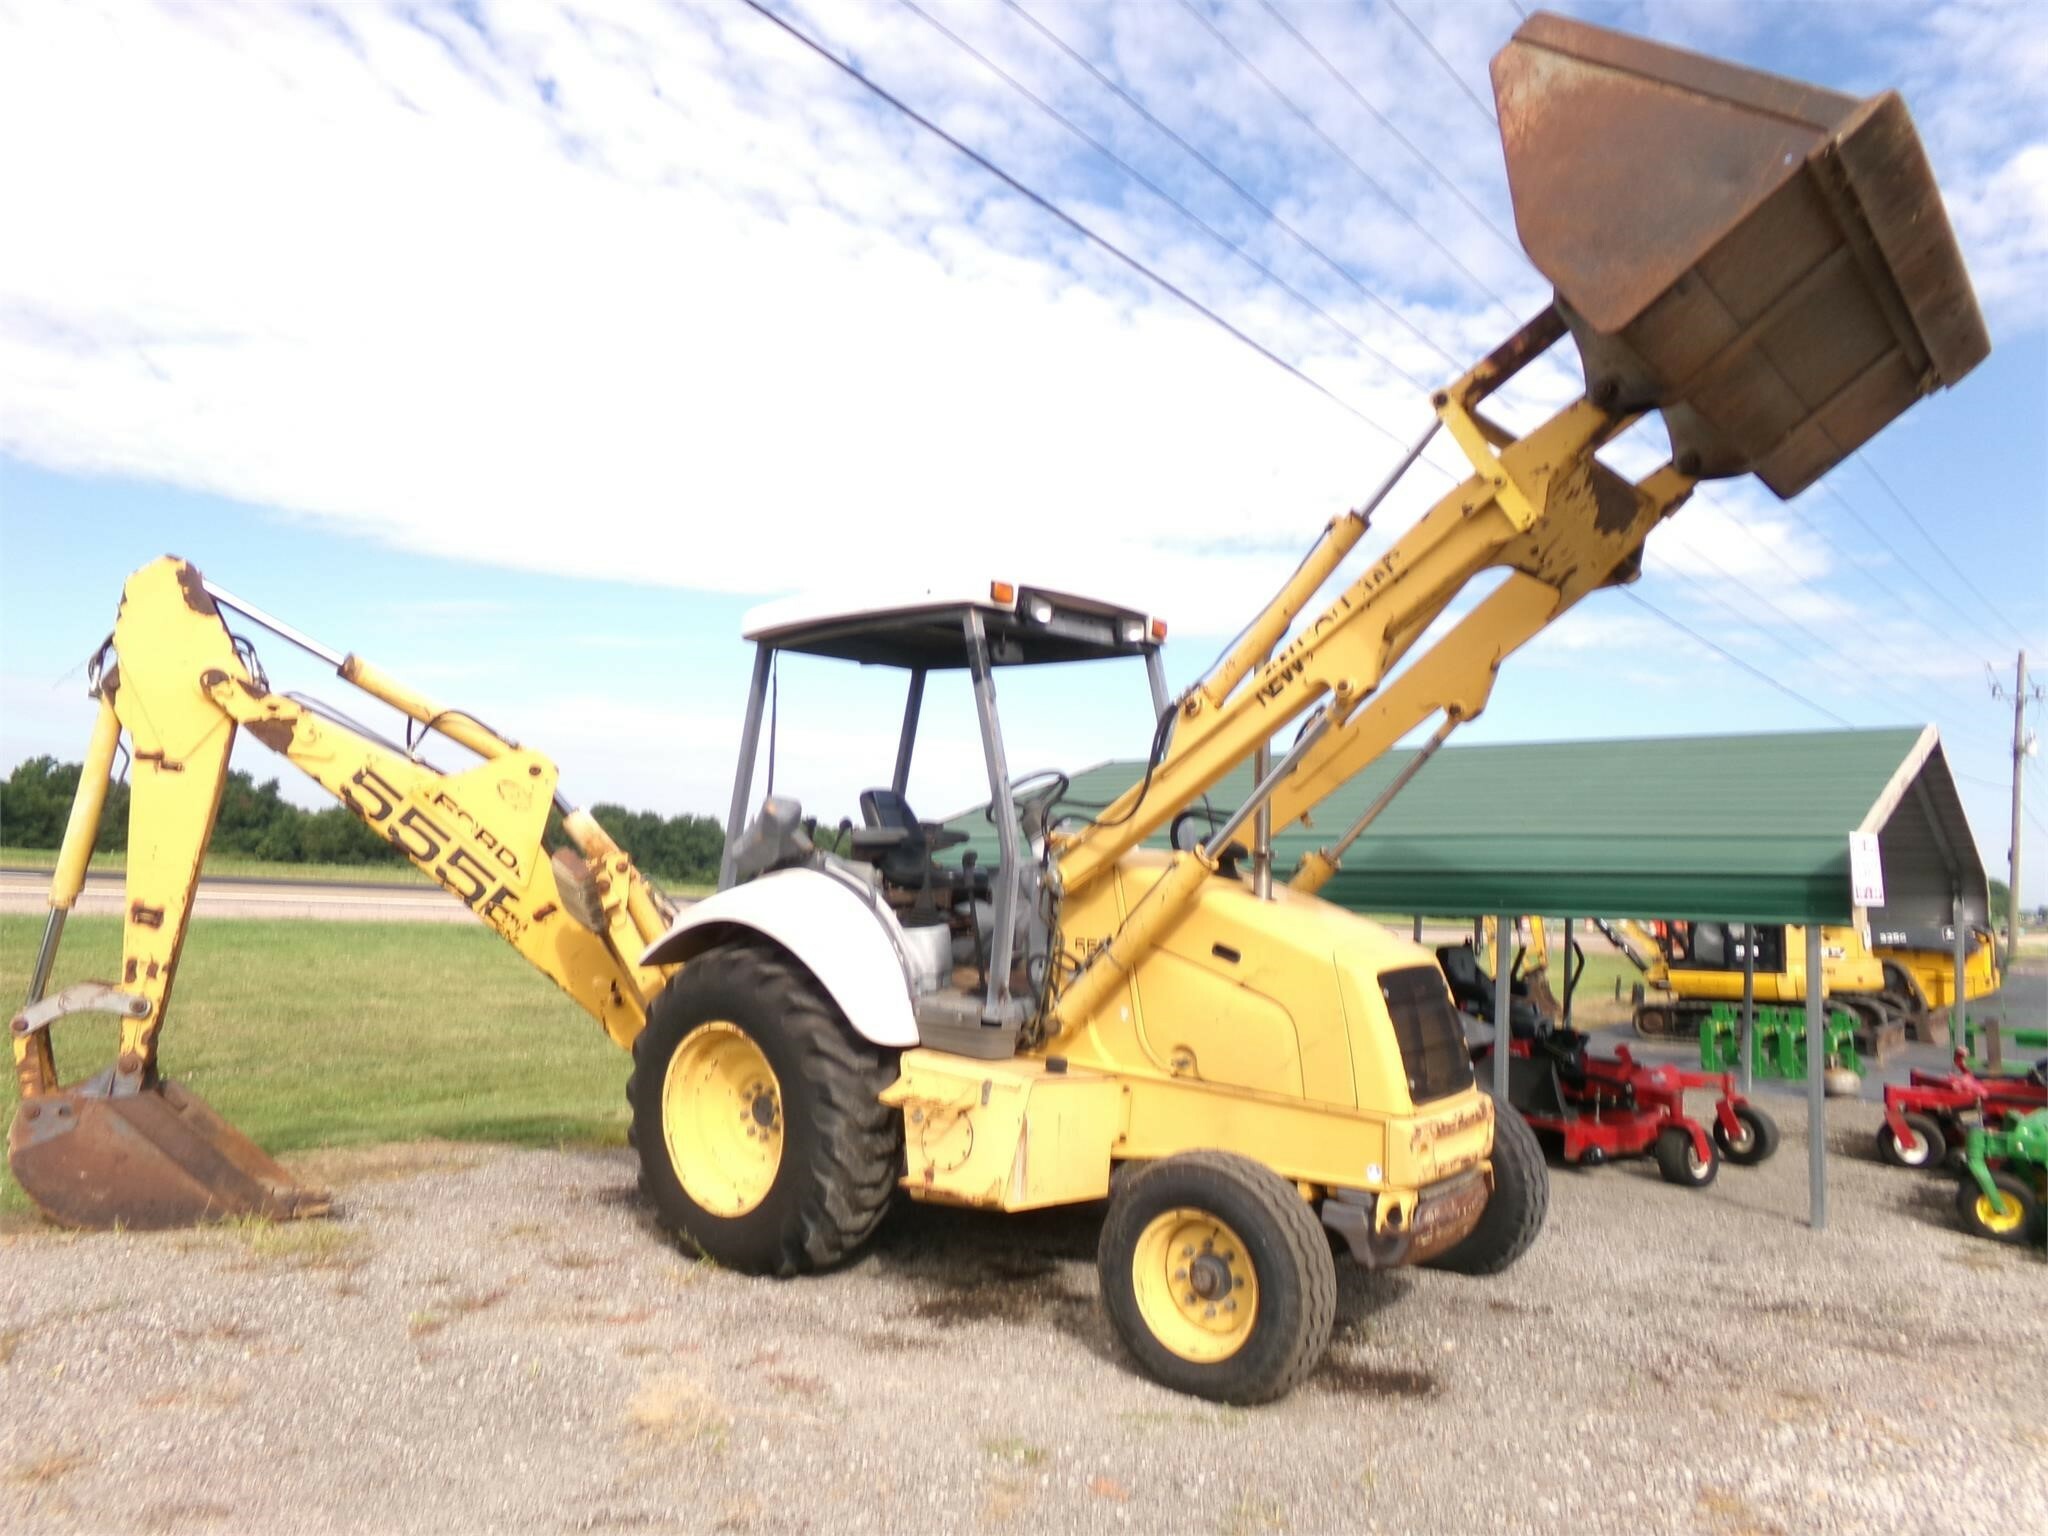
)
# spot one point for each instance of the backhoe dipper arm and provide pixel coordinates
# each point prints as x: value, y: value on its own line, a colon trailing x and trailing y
x: 182, y: 686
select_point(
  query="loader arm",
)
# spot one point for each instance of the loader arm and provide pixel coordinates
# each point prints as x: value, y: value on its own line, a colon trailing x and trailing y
x: 181, y: 687
x: 1765, y: 265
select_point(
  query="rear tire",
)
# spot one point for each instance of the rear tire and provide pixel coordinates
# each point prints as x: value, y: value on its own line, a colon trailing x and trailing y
x: 837, y: 1149
x: 1242, y: 1234
x: 1514, y: 1215
x: 1927, y: 1149
x: 1680, y: 1164
x: 1759, y: 1138
x: 2003, y: 1224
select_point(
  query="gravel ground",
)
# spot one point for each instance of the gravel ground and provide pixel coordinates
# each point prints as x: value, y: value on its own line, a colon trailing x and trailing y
x: 498, y: 1340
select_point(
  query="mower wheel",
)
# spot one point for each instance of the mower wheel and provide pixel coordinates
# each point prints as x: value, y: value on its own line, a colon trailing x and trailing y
x: 2017, y: 1217
x: 763, y: 1143
x: 1680, y: 1164
x: 1513, y: 1217
x: 1926, y: 1150
x: 1756, y: 1143
x: 1217, y: 1277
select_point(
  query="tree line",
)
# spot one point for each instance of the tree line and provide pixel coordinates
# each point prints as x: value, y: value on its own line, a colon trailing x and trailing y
x: 256, y: 821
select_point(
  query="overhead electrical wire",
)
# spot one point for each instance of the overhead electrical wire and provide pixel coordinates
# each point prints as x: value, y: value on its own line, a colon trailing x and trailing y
x: 1756, y: 672
x: 1113, y: 86
x: 1918, y: 527
x: 1154, y: 188
x: 1110, y: 248
x: 1449, y: 68
x: 1388, y: 123
x: 1040, y: 201
x: 1345, y: 155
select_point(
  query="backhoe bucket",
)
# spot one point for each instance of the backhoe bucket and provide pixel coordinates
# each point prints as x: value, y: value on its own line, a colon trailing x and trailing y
x: 1767, y: 263
x: 155, y: 1158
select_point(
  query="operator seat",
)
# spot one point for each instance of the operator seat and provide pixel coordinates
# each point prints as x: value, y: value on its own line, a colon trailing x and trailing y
x: 908, y: 860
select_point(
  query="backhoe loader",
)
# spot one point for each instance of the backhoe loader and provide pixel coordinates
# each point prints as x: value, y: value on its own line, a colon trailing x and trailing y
x: 1251, y: 1078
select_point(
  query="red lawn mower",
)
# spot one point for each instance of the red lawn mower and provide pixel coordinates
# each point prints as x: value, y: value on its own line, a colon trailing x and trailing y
x: 1924, y: 1118
x: 1592, y: 1108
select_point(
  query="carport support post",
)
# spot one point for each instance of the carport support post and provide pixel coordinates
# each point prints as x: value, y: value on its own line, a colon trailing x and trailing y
x: 1503, y: 1034
x: 1418, y: 927
x: 1816, y: 1074
x: 1959, y: 1014
x: 1564, y: 957
x: 1748, y: 1027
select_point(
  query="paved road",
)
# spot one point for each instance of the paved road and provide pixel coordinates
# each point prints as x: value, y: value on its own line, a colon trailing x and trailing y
x: 27, y: 891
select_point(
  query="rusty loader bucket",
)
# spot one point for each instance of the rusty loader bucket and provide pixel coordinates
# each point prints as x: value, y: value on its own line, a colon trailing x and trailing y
x: 1767, y: 263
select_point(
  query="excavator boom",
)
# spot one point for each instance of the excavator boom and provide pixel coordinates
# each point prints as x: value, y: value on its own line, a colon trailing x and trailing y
x: 130, y: 1146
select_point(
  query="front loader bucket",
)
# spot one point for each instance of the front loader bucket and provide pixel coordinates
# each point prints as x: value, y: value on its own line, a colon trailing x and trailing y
x: 156, y: 1158
x: 1767, y: 263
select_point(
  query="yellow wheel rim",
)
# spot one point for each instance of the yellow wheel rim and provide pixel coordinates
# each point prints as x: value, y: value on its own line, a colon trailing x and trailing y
x: 2001, y: 1217
x: 1195, y: 1284
x: 721, y: 1116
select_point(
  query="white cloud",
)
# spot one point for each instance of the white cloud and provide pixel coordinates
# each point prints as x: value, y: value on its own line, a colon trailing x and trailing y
x: 646, y: 292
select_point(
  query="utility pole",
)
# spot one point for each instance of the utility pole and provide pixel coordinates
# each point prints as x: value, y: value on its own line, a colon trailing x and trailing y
x: 2022, y: 746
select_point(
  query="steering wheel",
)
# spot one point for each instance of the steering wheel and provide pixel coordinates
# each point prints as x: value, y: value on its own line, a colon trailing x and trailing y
x: 1028, y: 801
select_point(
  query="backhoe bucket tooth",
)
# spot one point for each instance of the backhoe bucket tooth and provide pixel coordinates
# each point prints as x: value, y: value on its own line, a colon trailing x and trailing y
x: 1767, y: 263
x: 148, y: 1160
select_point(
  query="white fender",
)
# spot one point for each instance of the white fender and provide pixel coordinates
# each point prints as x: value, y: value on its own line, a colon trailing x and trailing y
x: 835, y: 930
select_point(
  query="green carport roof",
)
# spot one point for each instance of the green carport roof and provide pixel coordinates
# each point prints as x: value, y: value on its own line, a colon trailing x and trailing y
x: 1713, y: 828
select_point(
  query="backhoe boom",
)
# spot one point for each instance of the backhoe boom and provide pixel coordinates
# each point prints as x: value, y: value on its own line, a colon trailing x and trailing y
x: 129, y: 1145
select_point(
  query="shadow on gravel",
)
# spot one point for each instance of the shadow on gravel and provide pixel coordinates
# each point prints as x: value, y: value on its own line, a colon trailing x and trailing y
x: 1033, y: 1269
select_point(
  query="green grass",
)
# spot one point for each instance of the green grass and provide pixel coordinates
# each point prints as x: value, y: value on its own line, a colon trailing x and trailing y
x: 311, y: 1034
x: 229, y: 866
x: 233, y: 864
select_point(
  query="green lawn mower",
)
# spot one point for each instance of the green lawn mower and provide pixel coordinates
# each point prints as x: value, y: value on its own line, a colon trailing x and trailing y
x: 2004, y: 1189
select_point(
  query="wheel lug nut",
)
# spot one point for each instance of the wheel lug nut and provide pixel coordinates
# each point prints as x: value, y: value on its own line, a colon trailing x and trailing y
x: 1189, y: 1298
x: 1187, y: 1253
x: 1208, y: 1311
x: 1230, y: 1306
x: 1180, y: 1274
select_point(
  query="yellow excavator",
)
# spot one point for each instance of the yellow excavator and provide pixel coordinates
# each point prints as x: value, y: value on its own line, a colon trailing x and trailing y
x: 1896, y: 991
x: 1251, y: 1078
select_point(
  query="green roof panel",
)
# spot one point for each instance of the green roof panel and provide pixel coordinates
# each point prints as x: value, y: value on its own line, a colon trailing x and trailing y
x: 1750, y: 828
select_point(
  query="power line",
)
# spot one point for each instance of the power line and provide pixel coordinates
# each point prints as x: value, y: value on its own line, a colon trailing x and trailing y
x: 1045, y: 203
x: 1918, y: 527
x: 1230, y: 181
x: 1342, y: 153
x: 1876, y: 535
x: 1729, y: 656
x: 1388, y: 123
x: 1858, y: 669
x: 1153, y: 187
x: 1449, y: 68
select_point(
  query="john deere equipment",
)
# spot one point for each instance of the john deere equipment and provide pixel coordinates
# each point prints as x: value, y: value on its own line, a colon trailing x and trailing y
x: 2003, y: 1193
x: 1245, y: 1073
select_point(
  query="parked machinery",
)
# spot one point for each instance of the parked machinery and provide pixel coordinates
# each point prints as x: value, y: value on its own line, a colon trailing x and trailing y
x: 2003, y: 1191
x: 1929, y: 1117
x: 1246, y: 1074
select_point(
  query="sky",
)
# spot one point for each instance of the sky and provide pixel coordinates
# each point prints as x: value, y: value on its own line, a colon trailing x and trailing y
x: 523, y: 347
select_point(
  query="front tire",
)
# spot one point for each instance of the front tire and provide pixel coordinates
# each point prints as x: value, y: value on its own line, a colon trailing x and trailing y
x: 2015, y: 1219
x: 1679, y: 1162
x: 1757, y: 1141
x: 1925, y: 1147
x: 756, y: 1113
x: 1514, y: 1215
x: 1217, y: 1277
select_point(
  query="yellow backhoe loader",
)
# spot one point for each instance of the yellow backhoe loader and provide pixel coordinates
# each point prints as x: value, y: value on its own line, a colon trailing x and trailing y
x: 1250, y: 1077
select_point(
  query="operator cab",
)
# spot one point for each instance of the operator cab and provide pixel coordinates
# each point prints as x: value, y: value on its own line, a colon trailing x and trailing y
x: 977, y: 938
